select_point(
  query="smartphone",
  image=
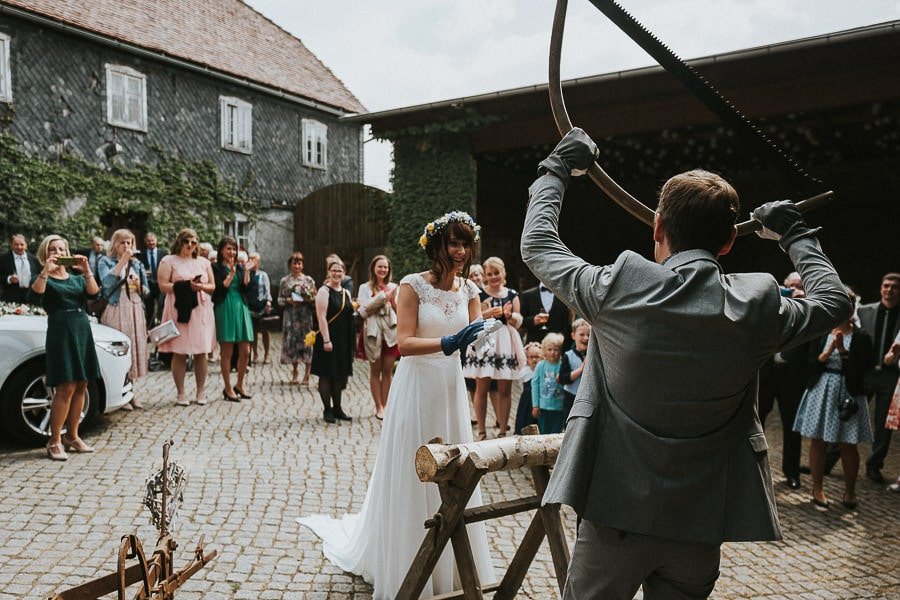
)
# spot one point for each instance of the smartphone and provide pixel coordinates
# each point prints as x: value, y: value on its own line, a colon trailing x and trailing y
x: 198, y: 278
x: 65, y: 261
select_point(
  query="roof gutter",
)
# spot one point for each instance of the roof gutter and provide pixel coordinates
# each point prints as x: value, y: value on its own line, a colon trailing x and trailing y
x: 867, y: 31
x: 170, y: 60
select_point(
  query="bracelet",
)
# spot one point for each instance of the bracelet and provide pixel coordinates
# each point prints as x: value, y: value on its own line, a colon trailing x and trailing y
x: 42, y: 276
x: 326, y: 341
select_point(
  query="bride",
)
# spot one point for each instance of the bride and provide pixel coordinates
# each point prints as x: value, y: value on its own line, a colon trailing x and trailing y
x: 438, y: 314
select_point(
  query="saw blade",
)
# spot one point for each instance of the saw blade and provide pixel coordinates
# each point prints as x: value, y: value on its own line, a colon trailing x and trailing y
x: 704, y: 91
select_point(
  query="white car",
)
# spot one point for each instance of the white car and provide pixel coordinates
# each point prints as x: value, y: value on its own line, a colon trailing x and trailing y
x: 25, y: 397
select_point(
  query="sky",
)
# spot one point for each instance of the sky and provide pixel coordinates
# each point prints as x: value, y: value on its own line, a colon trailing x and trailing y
x: 399, y: 53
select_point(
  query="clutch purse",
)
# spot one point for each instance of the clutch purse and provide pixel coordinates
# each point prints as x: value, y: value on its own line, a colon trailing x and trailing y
x: 164, y: 332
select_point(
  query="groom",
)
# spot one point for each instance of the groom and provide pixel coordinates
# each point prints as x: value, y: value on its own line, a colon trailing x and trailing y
x: 664, y: 457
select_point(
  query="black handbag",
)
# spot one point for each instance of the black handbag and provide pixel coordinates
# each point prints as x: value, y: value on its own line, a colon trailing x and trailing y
x: 96, y: 307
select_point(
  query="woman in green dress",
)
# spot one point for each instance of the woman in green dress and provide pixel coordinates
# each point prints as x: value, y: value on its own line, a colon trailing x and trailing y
x: 71, y: 356
x: 233, y: 324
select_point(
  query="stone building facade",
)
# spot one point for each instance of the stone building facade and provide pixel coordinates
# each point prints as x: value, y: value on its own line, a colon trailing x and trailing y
x: 91, y: 83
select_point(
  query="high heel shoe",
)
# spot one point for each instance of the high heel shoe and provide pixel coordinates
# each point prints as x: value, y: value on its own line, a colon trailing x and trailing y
x: 56, y: 452
x: 242, y: 394
x: 481, y: 436
x: 182, y: 401
x: 78, y: 446
x: 225, y: 396
x: 200, y: 399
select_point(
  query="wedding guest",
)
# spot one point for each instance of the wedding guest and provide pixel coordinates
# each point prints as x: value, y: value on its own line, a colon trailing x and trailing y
x: 234, y: 330
x: 187, y: 281
x: 259, y: 298
x: 882, y: 321
x: 332, y: 359
x: 124, y: 284
x: 547, y: 395
x: 297, y: 297
x: 833, y: 408
x: 204, y: 249
x: 533, y: 355
x: 150, y: 258
x: 347, y: 281
x: 476, y: 275
x: 16, y: 269
x: 572, y: 364
x: 503, y: 355
x: 378, y: 308
x: 69, y: 341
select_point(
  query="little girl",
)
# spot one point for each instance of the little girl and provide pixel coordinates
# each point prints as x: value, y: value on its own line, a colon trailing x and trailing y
x: 533, y: 356
x: 547, y: 396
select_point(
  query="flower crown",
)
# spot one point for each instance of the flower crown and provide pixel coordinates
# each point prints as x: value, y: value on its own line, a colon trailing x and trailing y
x: 436, y: 226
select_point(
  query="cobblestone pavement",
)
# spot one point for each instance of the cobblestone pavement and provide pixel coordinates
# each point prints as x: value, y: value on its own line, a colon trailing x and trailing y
x: 256, y: 466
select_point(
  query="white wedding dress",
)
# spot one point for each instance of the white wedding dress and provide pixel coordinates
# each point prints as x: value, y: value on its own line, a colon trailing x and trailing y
x: 427, y: 399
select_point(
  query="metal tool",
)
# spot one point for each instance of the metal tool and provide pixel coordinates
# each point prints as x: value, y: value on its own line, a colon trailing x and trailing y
x: 693, y: 81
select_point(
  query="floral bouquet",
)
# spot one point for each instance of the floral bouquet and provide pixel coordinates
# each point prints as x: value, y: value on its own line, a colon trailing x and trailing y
x: 11, y: 308
x: 306, y: 291
x: 310, y: 340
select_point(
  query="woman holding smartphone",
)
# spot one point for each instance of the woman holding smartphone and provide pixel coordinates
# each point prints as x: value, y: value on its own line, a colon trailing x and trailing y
x: 234, y: 328
x: 187, y: 281
x: 70, y: 344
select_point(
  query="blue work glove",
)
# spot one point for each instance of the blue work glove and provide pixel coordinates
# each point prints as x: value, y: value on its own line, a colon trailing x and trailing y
x: 782, y: 222
x: 462, y: 338
x: 573, y: 155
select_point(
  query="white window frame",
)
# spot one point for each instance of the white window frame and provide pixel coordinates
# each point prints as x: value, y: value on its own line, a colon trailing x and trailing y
x: 314, y: 144
x: 236, y: 124
x: 117, y: 78
x: 5, y: 71
x: 239, y: 229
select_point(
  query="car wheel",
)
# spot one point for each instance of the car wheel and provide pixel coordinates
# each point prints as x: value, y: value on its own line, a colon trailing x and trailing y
x: 26, y: 404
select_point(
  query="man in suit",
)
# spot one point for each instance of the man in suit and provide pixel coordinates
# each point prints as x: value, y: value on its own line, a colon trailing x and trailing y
x: 97, y: 249
x: 881, y: 320
x: 150, y: 258
x: 784, y: 376
x: 664, y: 457
x: 16, y: 269
x: 543, y: 313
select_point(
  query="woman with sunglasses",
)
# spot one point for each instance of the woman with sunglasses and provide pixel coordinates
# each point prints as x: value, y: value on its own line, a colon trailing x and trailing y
x: 187, y: 281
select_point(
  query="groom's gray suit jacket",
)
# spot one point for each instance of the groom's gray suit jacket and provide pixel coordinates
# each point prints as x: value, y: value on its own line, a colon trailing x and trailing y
x: 664, y: 437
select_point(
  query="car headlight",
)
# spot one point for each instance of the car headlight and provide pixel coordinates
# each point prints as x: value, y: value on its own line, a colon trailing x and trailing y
x: 115, y: 348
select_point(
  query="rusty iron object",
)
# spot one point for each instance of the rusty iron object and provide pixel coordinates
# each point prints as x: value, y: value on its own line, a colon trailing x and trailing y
x: 158, y: 578
x: 685, y: 73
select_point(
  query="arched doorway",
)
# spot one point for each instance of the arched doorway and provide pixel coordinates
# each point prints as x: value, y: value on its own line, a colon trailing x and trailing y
x: 349, y: 219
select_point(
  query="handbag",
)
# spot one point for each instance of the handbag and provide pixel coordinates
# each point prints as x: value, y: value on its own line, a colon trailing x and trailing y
x: 164, y: 332
x: 96, y: 307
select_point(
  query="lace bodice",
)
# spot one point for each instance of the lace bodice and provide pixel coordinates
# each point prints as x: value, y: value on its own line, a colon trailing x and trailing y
x: 440, y: 312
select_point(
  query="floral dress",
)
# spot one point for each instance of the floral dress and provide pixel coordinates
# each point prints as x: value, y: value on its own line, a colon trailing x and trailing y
x: 297, y: 319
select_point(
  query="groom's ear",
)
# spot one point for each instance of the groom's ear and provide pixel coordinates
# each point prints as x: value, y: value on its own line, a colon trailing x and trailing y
x: 659, y: 231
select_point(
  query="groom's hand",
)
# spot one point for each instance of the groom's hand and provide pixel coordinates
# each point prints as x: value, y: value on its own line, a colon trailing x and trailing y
x: 573, y: 155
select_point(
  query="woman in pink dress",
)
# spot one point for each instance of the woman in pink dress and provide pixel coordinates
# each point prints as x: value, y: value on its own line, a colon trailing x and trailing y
x: 187, y: 281
x: 124, y: 285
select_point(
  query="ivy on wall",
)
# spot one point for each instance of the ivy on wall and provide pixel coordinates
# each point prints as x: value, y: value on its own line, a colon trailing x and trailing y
x: 72, y: 197
x: 433, y: 174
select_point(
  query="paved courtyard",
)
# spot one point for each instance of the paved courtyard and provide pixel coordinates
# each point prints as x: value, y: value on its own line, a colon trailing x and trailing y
x: 256, y: 466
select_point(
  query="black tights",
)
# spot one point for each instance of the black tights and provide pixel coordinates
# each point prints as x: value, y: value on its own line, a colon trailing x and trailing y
x: 330, y: 391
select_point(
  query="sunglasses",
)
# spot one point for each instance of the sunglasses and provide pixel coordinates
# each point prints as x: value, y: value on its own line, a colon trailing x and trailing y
x: 189, y: 242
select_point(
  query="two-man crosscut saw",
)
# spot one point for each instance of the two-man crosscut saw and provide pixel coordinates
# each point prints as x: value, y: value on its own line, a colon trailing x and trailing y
x: 695, y: 83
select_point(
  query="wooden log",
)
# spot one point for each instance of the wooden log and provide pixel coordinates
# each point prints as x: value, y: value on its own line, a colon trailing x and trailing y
x: 440, y: 462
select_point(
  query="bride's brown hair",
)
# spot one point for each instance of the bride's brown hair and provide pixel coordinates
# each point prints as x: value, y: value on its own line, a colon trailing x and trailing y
x: 436, y: 249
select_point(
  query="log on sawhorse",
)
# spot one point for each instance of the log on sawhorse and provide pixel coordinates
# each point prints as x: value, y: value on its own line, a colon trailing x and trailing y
x: 457, y: 470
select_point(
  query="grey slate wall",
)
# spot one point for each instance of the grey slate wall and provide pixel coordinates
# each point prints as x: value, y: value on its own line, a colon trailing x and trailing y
x: 59, y: 101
